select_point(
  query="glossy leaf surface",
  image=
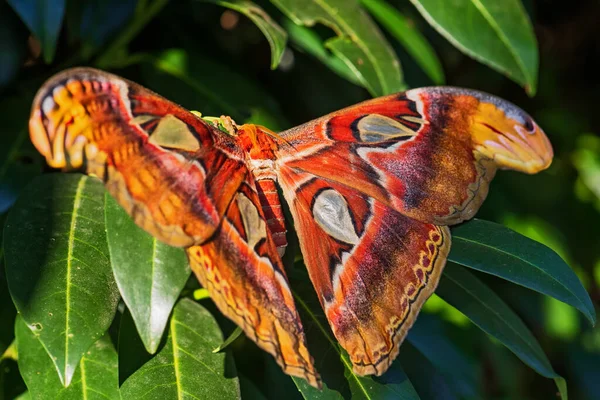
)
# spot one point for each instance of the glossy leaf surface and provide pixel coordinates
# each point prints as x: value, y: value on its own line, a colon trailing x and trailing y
x: 95, y: 376
x: 359, y: 43
x: 497, y: 250
x: 58, y: 268
x: 496, y: 33
x: 186, y: 367
x: 149, y: 273
x: 409, y: 36
x: 480, y: 304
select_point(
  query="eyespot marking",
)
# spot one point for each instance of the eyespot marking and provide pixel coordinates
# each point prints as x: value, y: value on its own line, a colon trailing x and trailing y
x: 332, y: 214
x: 173, y: 133
x: 378, y: 128
x: 254, y: 225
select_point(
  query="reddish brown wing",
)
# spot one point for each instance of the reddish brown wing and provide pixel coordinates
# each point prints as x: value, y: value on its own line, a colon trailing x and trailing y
x: 186, y: 183
x: 170, y: 170
x: 371, y: 188
x: 242, y: 271
x: 372, y: 266
x: 429, y: 153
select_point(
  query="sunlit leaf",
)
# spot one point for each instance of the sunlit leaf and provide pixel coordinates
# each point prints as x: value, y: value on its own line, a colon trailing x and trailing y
x: 497, y: 250
x: 359, y: 43
x: 149, y: 273
x: 275, y: 35
x: 186, y: 367
x: 469, y: 295
x: 309, y: 41
x: 94, y: 378
x: 44, y: 19
x: 57, y: 265
x: 333, y: 363
x: 497, y: 33
x: 409, y: 36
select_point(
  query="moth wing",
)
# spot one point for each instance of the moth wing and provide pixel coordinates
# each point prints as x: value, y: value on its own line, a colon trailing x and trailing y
x: 244, y: 275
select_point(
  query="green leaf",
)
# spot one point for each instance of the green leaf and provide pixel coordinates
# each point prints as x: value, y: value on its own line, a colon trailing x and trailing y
x: 496, y: 33
x: 480, y: 304
x: 409, y: 36
x: 186, y: 366
x: 57, y: 265
x: 333, y: 363
x: 359, y: 43
x: 44, y: 19
x: 497, y: 250
x: 274, y: 33
x: 95, y: 377
x: 309, y: 41
x: 149, y: 273
x: 230, y: 339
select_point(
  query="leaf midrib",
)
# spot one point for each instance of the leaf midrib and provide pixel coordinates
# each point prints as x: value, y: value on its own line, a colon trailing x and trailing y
x: 356, y: 39
x: 496, y: 249
x: 493, y: 311
x: 503, y: 38
x: 73, y: 226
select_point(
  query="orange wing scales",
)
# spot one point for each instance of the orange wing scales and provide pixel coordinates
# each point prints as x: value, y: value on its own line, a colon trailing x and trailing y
x: 371, y: 188
x: 271, y: 206
x: 245, y: 277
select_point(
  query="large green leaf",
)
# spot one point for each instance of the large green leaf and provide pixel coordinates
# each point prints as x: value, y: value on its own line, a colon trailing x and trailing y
x: 57, y: 265
x: 149, y: 273
x: 275, y: 35
x: 359, y: 43
x: 480, y: 304
x: 186, y: 367
x: 497, y: 250
x: 333, y: 363
x: 497, y: 33
x: 409, y: 36
x: 95, y: 376
x: 44, y: 19
x: 309, y: 41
